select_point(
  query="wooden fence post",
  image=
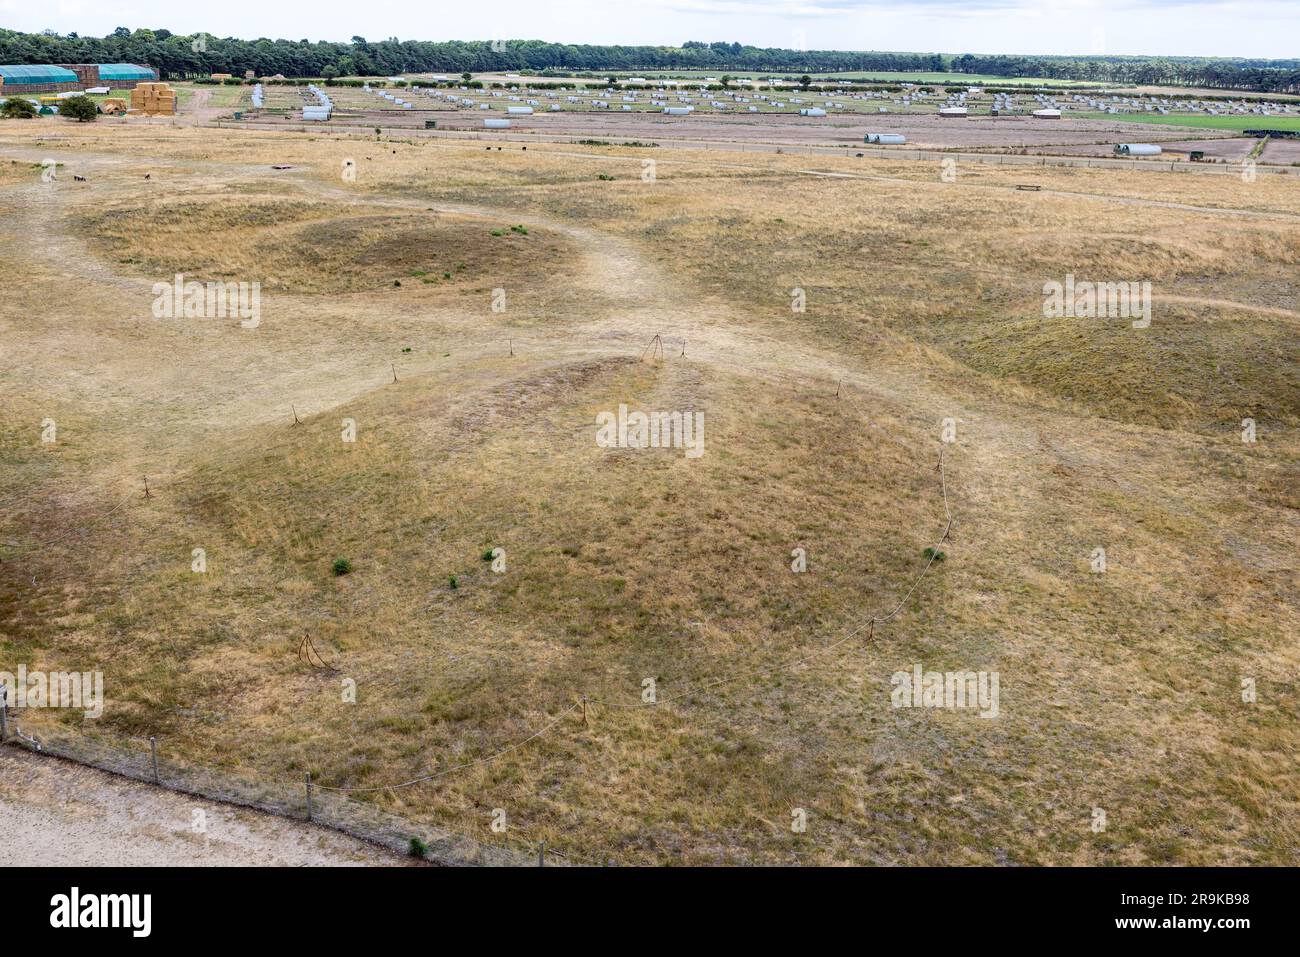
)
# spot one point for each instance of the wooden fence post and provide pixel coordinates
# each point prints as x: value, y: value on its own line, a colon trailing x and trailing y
x: 153, y: 754
x: 309, y: 795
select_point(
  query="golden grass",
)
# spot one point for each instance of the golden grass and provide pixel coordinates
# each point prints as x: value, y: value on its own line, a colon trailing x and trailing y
x: 308, y: 247
x: 1119, y: 691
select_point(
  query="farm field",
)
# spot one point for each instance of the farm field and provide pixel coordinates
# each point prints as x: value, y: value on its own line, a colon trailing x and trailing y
x: 969, y: 79
x: 1211, y: 122
x: 1281, y: 152
x: 877, y: 76
x: 465, y: 314
x: 744, y: 118
x: 1225, y: 150
x: 359, y: 110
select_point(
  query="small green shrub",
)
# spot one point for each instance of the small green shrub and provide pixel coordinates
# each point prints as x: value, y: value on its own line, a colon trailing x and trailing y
x: 451, y: 580
x: 341, y: 566
x: 418, y: 848
x: 80, y: 108
x: 936, y: 555
x: 18, y: 108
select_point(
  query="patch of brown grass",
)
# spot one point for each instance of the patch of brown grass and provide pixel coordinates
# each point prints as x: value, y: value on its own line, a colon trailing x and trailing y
x: 1119, y: 690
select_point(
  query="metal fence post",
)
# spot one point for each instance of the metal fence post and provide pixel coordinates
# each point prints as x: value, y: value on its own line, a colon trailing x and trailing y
x: 309, y: 795
x: 153, y: 756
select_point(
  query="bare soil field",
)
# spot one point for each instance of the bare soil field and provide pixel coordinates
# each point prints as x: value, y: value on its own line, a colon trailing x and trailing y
x: 1281, y: 152
x: 466, y: 315
x: 1227, y: 149
x: 1224, y: 149
x: 923, y: 131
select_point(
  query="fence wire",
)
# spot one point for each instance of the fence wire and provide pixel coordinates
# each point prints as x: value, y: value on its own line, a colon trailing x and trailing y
x: 330, y: 806
x: 133, y: 759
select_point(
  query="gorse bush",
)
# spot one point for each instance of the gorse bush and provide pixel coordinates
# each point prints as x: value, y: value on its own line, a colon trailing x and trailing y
x: 17, y: 108
x: 80, y: 108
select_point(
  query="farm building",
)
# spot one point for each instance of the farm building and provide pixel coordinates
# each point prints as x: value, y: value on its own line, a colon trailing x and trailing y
x: 124, y: 76
x: 119, y: 76
x: 36, y: 78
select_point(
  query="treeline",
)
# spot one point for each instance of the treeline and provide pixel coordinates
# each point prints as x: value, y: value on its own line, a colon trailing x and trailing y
x: 1268, y: 76
x: 181, y: 57
x: 189, y: 56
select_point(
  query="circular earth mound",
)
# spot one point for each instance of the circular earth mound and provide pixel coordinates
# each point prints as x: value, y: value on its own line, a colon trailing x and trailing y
x: 317, y: 248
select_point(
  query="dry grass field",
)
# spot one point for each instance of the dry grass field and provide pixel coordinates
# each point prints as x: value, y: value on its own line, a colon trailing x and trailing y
x: 475, y: 430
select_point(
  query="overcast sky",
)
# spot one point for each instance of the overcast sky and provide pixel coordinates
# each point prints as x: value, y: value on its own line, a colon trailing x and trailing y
x: 1266, y: 28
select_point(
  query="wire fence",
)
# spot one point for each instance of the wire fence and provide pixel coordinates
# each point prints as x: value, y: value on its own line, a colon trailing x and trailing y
x: 331, y: 806
x: 149, y: 762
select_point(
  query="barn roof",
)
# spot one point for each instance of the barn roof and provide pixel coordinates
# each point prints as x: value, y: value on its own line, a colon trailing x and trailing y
x: 33, y: 73
x: 124, y: 71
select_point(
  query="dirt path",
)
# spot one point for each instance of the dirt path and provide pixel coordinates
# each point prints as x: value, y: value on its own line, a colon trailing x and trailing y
x: 53, y: 813
x: 640, y: 299
x: 197, y: 112
x: 67, y: 814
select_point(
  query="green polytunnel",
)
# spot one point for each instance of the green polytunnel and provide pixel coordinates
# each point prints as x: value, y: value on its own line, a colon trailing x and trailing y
x: 28, y: 74
x: 123, y: 72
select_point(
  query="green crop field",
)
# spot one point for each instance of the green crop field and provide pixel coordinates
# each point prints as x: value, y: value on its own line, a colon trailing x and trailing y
x: 1208, y: 122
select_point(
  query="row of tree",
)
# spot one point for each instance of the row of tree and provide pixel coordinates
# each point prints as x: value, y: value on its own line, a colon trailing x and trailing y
x: 180, y: 57
x: 1271, y: 76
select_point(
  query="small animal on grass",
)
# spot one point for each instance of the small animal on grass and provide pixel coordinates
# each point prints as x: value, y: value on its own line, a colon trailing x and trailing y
x: 79, y: 179
x: 146, y: 175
